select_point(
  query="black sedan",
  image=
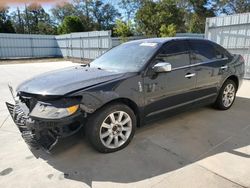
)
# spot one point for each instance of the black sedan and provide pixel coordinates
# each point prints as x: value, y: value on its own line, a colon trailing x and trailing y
x: 123, y: 89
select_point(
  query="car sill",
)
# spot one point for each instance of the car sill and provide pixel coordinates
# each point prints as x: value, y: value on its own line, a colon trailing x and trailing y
x: 180, y: 105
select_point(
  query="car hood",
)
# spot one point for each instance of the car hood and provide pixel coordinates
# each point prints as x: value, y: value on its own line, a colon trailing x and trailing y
x: 63, y: 81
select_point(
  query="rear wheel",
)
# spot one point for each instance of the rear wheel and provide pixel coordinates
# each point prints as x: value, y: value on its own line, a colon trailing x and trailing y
x: 227, y: 95
x: 111, y: 128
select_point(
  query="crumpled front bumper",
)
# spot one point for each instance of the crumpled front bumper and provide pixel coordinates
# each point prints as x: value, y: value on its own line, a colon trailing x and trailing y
x: 41, y: 133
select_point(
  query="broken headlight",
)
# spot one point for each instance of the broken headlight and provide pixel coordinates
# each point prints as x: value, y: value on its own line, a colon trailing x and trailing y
x: 46, y: 111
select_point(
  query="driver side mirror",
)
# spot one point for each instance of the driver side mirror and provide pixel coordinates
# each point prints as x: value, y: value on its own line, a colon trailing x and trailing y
x: 162, y: 67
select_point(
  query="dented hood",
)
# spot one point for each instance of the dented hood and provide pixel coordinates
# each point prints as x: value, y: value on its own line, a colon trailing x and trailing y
x: 63, y: 81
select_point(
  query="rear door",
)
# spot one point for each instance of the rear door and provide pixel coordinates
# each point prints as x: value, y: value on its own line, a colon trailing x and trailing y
x: 209, y: 66
x: 169, y: 90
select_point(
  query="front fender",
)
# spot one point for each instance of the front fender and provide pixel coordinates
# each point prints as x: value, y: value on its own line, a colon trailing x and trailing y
x: 129, y: 88
x: 92, y: 101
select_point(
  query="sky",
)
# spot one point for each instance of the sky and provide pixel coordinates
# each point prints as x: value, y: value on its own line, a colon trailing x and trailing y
x: 13, y: 4
x: 13, y: 7
x: 46, y: 4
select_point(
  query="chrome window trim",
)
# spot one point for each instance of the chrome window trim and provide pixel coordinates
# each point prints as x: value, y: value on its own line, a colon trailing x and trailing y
x: 197, y: 64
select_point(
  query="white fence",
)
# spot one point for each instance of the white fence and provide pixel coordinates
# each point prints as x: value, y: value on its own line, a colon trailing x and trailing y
x: 84, y: 45
x: 232, y: 32
x: 117, y: 41
x: 25, y: 46
x: 195, y: 35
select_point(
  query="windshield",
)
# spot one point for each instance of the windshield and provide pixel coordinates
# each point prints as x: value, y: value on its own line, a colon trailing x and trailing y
x: 128, y: 57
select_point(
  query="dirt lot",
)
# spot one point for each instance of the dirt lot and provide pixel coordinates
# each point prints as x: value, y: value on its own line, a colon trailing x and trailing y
x: 199, y: 148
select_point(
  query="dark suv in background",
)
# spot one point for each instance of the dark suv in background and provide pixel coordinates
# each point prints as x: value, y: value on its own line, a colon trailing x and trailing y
x: 124, y: 88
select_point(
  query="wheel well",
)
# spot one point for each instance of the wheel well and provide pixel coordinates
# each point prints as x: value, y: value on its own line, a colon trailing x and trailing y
x: 130, y: 104
x: 235, y: 79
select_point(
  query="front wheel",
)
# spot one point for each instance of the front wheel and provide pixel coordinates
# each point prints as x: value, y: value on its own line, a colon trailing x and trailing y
x: 111, y: 128
x: 226, y: 96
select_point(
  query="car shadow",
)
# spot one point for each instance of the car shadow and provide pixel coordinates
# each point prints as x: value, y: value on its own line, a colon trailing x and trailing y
x: 158, y: 148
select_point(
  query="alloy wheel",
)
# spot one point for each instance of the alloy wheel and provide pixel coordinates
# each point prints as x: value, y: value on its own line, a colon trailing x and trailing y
x: 116, y: 129
x: 228, y: 95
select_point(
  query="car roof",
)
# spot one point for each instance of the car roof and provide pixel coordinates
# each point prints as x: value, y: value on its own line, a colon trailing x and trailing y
x: 164, y: 40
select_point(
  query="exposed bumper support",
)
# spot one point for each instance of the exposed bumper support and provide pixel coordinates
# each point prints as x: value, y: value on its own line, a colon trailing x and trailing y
x: 43, y: 134
x: 20, y: 120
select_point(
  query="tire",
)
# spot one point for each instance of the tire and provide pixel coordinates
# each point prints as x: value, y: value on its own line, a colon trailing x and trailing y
x: 221, y: 103
x: 104, y: 131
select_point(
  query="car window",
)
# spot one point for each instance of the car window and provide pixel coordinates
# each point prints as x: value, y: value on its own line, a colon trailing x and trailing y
x: 176, y: 53
x: 203, y: 51
x: 127, y: 57
x: 221, y: 52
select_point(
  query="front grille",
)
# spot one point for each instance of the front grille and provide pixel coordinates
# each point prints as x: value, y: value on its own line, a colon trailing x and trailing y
x: 10, y: 108
x: 19, y: 116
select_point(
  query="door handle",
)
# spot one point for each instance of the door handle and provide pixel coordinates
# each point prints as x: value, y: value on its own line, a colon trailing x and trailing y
x: 189, y: 75
x: 224, y: 67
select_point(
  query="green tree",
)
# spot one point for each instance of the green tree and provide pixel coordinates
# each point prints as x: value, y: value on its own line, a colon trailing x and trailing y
x: 34, y: 15
x: 83, y: 8
x: 45, y: 28
x: 168, y: 31
x: 196, y: 24
x: 129, y: 7
x: 71, y: 24
x: 96, y: 14
x: 18, y: 21
x: 152, y: 15
x: 33, y: 20
x: 123, y: 29
x: 104, y: 14
x: 233, y: 6
x: 5, y: 22
x: 201, y: 10
x: 60, y: 11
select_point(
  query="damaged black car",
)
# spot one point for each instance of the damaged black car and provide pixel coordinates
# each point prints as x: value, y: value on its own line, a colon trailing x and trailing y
x: 123, y: 89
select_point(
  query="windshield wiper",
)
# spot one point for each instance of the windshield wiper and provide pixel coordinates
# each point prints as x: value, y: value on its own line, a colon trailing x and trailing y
x: 86, y: 65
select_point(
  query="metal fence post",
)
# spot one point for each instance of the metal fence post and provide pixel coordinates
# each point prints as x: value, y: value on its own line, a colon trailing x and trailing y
x: 110, y: 41
x: 101, y: 46
x: 83, y: 48
x: 71, y: 48
x: 88, y: 46
x: 31, y: 46
x: 1, y: 53
x: 98, y: 39
x: 67, y: 44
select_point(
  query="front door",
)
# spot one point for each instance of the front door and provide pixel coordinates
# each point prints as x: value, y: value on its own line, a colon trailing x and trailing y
x: 169, y: 90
